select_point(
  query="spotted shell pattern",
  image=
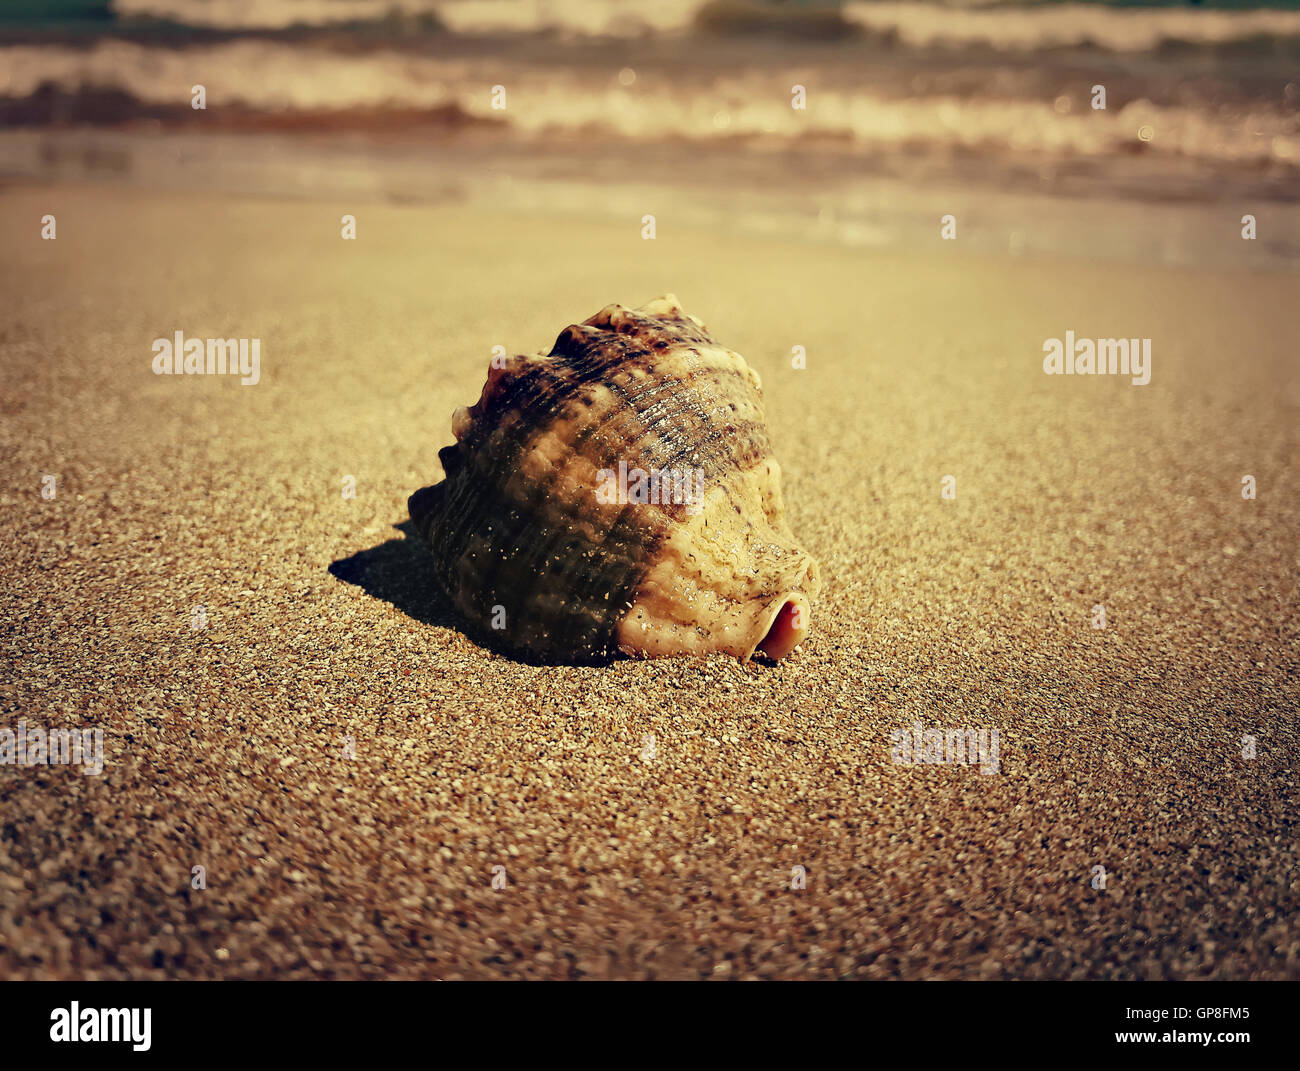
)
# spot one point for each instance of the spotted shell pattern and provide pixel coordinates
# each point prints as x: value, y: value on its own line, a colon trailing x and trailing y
x: 524, y: 539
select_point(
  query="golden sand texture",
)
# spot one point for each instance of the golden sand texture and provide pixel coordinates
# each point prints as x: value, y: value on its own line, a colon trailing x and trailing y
x: 649, y: 816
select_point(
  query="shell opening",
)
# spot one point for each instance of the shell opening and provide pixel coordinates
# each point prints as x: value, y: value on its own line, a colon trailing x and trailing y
x: 788, y: 628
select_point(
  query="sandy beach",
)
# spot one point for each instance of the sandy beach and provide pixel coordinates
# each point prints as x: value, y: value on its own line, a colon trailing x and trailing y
x: 651, y: 818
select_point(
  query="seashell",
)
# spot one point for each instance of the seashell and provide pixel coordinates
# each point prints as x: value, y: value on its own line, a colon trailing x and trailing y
x: 618, y: 494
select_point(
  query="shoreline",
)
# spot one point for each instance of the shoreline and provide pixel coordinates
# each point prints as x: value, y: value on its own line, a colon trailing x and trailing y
x: 833, y: 208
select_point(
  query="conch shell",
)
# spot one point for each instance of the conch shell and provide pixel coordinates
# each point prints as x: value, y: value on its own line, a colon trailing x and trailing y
x: 618, y: 495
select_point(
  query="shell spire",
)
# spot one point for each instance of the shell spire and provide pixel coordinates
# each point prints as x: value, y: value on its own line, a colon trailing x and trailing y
x: 618, y: 494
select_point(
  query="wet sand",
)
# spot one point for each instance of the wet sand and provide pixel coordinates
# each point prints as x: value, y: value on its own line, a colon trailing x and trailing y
x: 649, y: 817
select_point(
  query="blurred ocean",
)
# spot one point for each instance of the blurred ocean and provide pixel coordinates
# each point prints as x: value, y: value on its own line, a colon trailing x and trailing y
x: 623, y: 105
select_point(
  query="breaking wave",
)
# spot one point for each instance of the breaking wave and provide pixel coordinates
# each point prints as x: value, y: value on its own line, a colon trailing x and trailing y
x: 119, y: 81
